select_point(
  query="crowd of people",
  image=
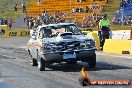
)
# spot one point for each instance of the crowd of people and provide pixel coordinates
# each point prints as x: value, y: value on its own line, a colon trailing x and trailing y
x: 123, y: 15
x: 87, y: 9
x: 44, y: 18
x: 80, y: 9
x: 59, y: 17
x: 127, y: 20
x: 124, y: 2
x: 90, y: 21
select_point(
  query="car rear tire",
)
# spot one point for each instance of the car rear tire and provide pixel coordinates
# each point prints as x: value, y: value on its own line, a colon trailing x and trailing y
x: 41, y: 64
x: 92, y: 61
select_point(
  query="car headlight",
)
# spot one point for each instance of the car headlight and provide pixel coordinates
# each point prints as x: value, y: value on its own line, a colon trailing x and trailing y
x: 83, y: 43
x: 92, y: 43
x: 47, y: 47
x: 87, y: 43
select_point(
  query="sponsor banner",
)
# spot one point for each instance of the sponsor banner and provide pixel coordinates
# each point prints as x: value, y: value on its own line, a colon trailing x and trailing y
x: 16, y: 33
x: 19, y: 33
x: 5, y: 33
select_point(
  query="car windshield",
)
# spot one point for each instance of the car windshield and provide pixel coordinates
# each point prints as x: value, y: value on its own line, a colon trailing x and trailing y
x: 70, y: 28
x: 49, y: 31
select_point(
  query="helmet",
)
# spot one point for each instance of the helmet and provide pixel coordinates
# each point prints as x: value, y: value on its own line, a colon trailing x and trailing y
x: 104, y: 15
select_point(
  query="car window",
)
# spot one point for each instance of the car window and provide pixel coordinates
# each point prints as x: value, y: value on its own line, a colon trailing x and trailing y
x: 51, y: 31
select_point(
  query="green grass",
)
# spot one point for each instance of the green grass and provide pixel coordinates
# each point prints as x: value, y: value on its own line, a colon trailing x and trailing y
x: 7, y: 10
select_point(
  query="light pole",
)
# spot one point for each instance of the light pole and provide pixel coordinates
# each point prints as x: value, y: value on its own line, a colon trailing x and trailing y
x: 122, y: 19
x: 70, y: 4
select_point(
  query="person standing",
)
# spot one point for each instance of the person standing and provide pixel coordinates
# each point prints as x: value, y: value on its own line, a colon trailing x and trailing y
x: 104, y: 24
x: 15, y: 7
x: 1, y: 32
x: 99, y: 30
x: 5, y: 21
x: 9, y: 23
x: 1, y: 21
x: 24, y: 7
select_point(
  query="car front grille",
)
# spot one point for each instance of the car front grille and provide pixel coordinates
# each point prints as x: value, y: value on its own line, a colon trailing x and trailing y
x: 66, y: 47
x: 62, y: 46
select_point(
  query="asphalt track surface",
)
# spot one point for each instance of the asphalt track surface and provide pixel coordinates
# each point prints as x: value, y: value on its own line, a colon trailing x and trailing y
x: 16, y: 71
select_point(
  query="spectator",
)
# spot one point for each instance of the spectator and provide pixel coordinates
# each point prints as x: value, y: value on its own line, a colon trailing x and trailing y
x: 40, y: 2
x: 94, y: 15
x: 31, y: 24
x: 104, y: 24
x: 15, y: 7
x: 25, y: 17
x: 92, y: 6
x: 81, y: 9
x: 1, y: 32
x: 5, y: 21
x: 84, y: 0
x: 78, y: 0
x: 35, y: 23
x: 1, y: 21
x: 9, y: 23
x: 65, y: 14
x: 99, y: 30
x: 77, y: 9
x: 44, y: 13
x: 85, y: 21
x: 73, y: 10
x: 87, y: 9
x: 24, y: 7
x: 76, y: 21
x: 81, y: 1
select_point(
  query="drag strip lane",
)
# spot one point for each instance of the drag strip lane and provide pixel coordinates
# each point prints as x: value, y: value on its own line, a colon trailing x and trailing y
x: 68, y: 74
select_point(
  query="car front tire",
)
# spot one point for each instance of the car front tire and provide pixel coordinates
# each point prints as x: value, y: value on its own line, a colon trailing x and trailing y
x: 92, y: 61
x: 41, y: 64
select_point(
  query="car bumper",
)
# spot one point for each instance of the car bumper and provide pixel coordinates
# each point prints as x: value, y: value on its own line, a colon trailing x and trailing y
x: 81, y: 54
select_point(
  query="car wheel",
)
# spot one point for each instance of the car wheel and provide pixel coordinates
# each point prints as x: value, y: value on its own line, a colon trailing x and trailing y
x: 33, y: 61
x: 92, y: 61
x: 41, y: 64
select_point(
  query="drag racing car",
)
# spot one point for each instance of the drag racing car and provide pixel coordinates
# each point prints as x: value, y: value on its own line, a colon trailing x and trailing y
x: 62, y: 42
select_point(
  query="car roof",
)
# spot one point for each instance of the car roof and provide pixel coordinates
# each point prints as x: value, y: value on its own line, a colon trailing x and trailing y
x: 56, y: 24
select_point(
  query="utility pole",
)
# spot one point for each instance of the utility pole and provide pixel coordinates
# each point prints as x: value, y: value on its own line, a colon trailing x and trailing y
x: 70, y: 4
x: 122, y: 19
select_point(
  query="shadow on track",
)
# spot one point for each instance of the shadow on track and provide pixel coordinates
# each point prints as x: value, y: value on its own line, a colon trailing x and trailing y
x: 77, y: 67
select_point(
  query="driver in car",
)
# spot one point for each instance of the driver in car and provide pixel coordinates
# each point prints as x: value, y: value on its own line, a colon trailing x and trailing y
x: 57, y: 31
